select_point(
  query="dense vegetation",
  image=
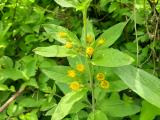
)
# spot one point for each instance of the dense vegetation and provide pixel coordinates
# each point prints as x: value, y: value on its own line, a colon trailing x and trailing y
x: 79, y: 60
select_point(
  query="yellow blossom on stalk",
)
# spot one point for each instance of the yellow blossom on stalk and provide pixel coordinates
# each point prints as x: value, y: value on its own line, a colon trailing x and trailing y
x: 80, y: 67
x: 89, y: 51
x: 71, y: 73
x: 101, y: 41
x: 74, y: 85
x: 104, y: 84
x: 89, y: 38
x: 68, y: 45
x: 62, y: 34
x: 100, y: 76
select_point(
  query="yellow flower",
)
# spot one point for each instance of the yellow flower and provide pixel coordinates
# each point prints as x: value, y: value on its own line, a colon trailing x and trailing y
x: 80, y: 67
x: 74, y: 85
x: 71, y: 73
x: 104, y: 84
x: 68, y: 45
x: 89, y: 51
x: 100, y: 76
x: 101, y: 41
x: 62, y: 34
x: 89, y: 38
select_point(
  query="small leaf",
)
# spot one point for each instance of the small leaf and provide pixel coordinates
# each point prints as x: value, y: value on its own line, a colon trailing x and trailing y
x: 3, y: 87
x: 66, y: 104
x: 97, y: 115
x: 67, y: 3
x: 54, y: 51
x: 110, y: 57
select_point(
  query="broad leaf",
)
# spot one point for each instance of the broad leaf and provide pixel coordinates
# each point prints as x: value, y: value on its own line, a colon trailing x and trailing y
x: 141, y: 82
x: 109, y: 57
x: 148, y: 111
x: 113, y: 107
x: 112, y: 34
x: 54, y: 51
x: 66, y: 104
x: 97, y: 115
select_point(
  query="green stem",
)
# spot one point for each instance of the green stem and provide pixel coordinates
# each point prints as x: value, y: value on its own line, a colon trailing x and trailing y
x: 89, y: 66
x: 85, y: 26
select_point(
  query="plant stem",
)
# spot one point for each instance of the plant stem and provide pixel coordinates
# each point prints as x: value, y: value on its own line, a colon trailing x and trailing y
x: 89, y: 66
x: 11, y: 99
x: 84, y: 26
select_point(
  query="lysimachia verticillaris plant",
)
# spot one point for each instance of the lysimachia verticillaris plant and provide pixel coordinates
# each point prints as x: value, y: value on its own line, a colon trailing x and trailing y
x: 90, y: 62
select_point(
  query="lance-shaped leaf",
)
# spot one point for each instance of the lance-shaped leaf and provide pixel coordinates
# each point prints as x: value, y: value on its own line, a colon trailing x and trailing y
x: 112, y: 34
x: 141, y: 82
x: 61, y: 34
x: 110, y: 57
x: 54, y: 51
x: 67, y: 103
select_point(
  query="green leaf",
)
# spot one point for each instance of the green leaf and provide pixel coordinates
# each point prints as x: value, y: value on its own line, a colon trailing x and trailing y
x: 97, y: 115
x: 6, y: 62
x: 116, y: 86
x: 141, y: 82
x: 3, y: 87
x: 67, y: 103
x: 112, y: 34
x: 110, y: 57
x: 113, y: 106
x: 58, y: 73
x: 148, y: 111
x: 79, y: 5
x: 67, y: 3
x: 53, y: 32
x: 26, y: 102
x: 13, y: 74
x: 90, y: 38
x: 54, y: 51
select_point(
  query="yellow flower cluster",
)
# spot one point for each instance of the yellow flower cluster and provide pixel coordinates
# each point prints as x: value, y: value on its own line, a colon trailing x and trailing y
x: 62, y: 34
x: 68, y: 45
x: 89, y: 51
x: 89, y: 38
x: 80, y: 67
x: 103, y: 83
x: 74, y: 85
x: 101, y: 41
x: 71, y: 73
x: 100, y: 76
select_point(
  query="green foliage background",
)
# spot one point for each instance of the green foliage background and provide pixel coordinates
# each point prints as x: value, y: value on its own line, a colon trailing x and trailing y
x: 27, y: 27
